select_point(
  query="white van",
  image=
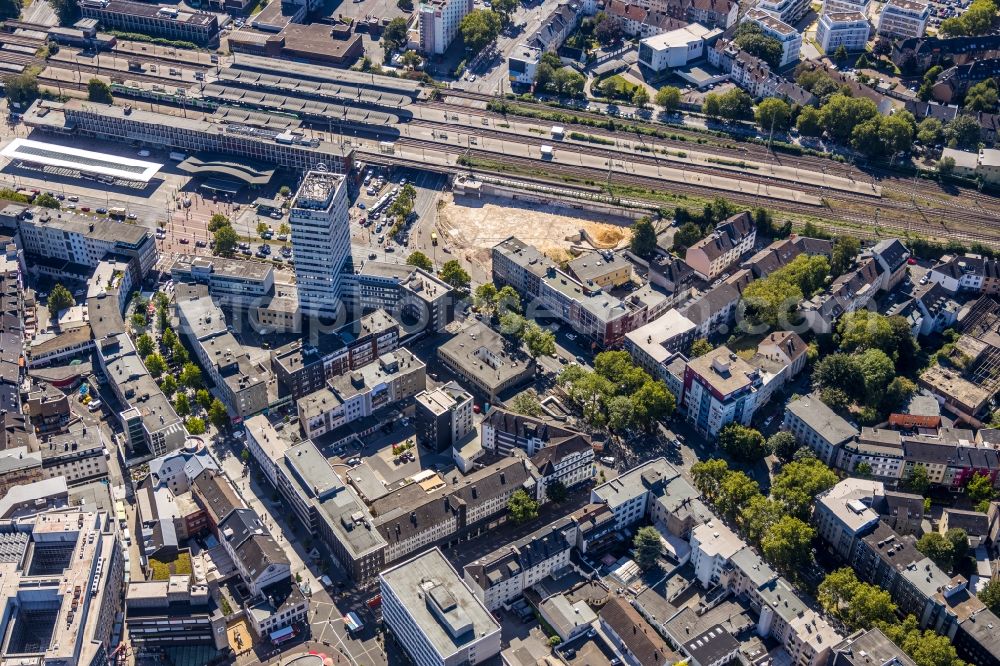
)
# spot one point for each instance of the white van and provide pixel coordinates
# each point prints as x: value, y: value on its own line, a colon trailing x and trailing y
x: 94, y: 405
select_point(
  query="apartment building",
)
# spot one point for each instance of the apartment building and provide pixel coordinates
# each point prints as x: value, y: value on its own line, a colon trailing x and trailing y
x: 720, y: 388
x: 568, y: 462
x: 903, y: 18
x: 786, y: 11
x: 169, y: 22
x: 243, y: 386
x: 713, y: 545
x: 503, y: 431
x: 489, y: 363
x: 63, y: 577
x: 417, y: 299
x: 969, y: 272
x: 834, y: 6
x: 302, y: 367
x: 631, y: 494
x: 817, y: 426
x: 443, y: 416
x: 80, y: 455
x: 172, y: 612
x: 553, y: 30
x: 843, y: 514
x: 151, y: 426
x: 602, y: 318
x: 633, y: 637
x: 676, y: 48
x: 504, y: 574
x: 438, y: 21
x: 65, y: 236
x: 715, y: 254
x: 775, y: 27
x: 710, y: 13
x: 842, y: 29
x: 390, y: 381
x: 654, y: 345
x: 434, y: 615
x: 321, y: 242
x: 231, y: 282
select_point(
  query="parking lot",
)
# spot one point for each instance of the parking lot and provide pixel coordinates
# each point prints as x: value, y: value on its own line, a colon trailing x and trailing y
x: 943, y: 9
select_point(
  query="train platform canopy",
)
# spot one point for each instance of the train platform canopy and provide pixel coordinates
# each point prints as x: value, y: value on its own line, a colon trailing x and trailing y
x: 83, y: 161
x: 228, y: 168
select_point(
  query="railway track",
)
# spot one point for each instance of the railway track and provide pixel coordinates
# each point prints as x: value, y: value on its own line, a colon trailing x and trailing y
x: 117, y: 74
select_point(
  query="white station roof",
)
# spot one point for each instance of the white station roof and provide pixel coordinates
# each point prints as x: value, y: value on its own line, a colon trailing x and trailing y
x: 51, y: 154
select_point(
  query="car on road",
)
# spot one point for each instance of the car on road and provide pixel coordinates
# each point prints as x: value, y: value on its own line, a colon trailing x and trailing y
x: 372, y: 255
x: 101, y: 211
x: 73, y: 197
x: 200, y: 243
x: 361, y: 205
x: 184, y: 241
x: 581, y: 360
x: 85, y: 209
x: 571, y: 336
x: 132, y: 216
x: 354, y: 462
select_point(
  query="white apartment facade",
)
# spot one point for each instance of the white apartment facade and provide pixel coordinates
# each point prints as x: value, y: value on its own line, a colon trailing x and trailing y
x: 712, y: 547
x: 903, y: 18
x: 437, y: 22
x: 847, y: 29
x: 321, y: 242
x: 773, y: 26
x: 787, y: 11
x: 834, y: 6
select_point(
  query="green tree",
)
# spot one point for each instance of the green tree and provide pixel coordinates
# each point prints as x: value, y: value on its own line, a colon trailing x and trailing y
x: 420, y: 260
x: 863, y: 469
x: 918, y: 481
x: 405, y: 5
x: 798, y: 484
x: 168, y: 338
x: 990, y: 595
x: 770, y: 302
x: 689, y: 234
x: 845, y: 249
x: 878, y: 370
x: 809, y: 122
x: 839, y: 371
x: 218, y: 416
x: 858, y: 605
x: 138, y: 319
x: 897, y: 394
x: 479, y: 28
x: 963, y: 132
x: 540, y: 341
x: 837, y: 591
x: 979, y: 488
x: 504, y: 8
x: 742, y: 443
x: 773, y: 113
x: 203, y: 398
x: 783, y: 445
x: 982, y: 97
x: 710, y: 105
x: 930, y: 131
x: 99, y: 91
x: 144, y: 345
x: 10, y: 9
x: 218, y: 221
x: 68, y: 11
x: 191, y: 376
x: 643, y: 241
x: 178, y: 354
x: 758, y: 517
x: 59, y: 299
x: 46, y: 200
x: 976, y: 20
x: 395, y: 35
x: 750, y: 37
x: 195, y: 425
x: 22, y: 88
x: 181, y: 405
x: 926, y: 648
x: 734, y: 104
x: 735, y: 492
x: 938, y: 548
x: 788, y: 545
x: 526, y: 403
x: 708, y: 477
x: 640, y: 97
x: 841, y: 114
x: 521, y: 507
x: 648, y: 547
x: 226, y: 241
x: 485, y: 297
x: 156, y: 365
x: 840, y: 55
x: 508, y: 300
x: 669, y: 98
x: 700, y: 347
x: 652, y: 403
x: 557, y: 491
x: 454, y: 275
x: 168, y: 385
x: 946, y: 165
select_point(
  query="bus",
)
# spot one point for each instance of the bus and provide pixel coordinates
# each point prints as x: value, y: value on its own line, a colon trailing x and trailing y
x: 283, y: 635
x: 353, y: 622
x: 117, y: 213
x: 434, y: 238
